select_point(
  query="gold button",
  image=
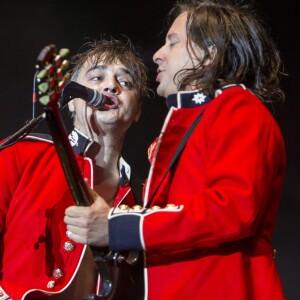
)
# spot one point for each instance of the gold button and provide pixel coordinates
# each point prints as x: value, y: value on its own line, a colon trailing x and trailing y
x: 137, y: 208
x: 155, y: 207
x: 124, y: 206
x: 170, y: 205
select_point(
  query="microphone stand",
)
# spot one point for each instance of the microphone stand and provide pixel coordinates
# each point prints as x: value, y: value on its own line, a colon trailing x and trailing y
x: 25, y: 130
x: 21, y: 133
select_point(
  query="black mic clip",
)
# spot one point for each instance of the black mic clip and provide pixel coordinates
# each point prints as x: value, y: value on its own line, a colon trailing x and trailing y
x: 73, y: 90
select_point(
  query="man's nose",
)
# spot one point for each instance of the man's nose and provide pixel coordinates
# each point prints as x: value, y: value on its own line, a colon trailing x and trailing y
x: 157, y: 57
x: 111, y: 86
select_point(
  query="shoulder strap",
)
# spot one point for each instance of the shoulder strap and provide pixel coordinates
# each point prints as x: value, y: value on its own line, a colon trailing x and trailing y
x: 136, y: 184
x: 184, y: 140
x: 177, y: 153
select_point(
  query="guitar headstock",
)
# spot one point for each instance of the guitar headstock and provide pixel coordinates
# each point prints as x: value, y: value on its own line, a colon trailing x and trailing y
x: 51, y: 74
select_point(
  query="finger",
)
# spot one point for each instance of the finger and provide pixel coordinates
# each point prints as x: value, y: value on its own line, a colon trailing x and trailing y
x: 78, y: 230
x: 77, y: 211
x: 77, y: 221
x: 78, y: 238
x: 70, y: 221
x: 77, y: 234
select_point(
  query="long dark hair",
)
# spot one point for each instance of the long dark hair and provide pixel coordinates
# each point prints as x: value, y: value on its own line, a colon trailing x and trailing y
x: 243, y: 50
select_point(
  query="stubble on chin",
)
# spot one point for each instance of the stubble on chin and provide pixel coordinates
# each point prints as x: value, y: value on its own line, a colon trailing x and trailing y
x: 160, y: 90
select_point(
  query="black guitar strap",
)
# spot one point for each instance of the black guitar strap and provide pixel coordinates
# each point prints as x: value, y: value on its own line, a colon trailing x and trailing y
x: 136, y: 184
x: 177, y: 153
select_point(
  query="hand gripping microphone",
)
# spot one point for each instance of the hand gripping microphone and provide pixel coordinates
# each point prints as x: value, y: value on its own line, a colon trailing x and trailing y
x: 73, y: 90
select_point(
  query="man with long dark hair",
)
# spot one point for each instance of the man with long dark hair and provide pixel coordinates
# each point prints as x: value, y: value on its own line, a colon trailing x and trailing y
x: 217, y: 167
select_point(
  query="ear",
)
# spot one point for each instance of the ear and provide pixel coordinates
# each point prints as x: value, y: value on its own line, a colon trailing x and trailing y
x: 139, y: 112
x: 71, y: 106
x: 212, y: 54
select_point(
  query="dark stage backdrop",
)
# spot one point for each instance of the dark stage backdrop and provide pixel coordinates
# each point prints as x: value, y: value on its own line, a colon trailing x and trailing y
x: 27, y: 26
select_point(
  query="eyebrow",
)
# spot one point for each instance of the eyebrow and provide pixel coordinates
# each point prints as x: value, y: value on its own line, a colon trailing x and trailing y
x: 120, y: 71
x: 98, y: 67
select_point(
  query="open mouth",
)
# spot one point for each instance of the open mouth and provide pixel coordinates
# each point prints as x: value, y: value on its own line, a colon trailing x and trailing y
x: 111, y: 102
x: 159, y: 74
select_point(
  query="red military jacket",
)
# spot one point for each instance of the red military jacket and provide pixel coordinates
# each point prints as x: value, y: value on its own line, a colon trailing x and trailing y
x: 37, y: 258
x: 207, y: 233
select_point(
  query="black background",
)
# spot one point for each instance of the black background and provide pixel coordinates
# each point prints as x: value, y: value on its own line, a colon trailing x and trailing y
x: 27, y: 26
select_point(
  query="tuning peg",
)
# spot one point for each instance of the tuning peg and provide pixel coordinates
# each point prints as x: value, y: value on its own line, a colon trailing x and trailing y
x: 64, y: 52
x: 42, y: 74
x: 47, y: 71
x: 61, y: 83
x: 52, y: 97
x: 67, y: 76
x: 58, y: 58
x: 64, y: 65
x: 45, y: 100
x: 43, y: 87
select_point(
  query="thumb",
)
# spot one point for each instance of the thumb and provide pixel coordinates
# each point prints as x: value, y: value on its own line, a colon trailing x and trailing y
x: 97, y: 199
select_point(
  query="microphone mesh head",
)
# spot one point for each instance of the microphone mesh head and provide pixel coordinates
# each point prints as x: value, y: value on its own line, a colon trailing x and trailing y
x: 97, y: 99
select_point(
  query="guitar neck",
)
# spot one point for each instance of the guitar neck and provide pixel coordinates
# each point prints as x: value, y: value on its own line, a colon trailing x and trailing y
x: 67, y: 158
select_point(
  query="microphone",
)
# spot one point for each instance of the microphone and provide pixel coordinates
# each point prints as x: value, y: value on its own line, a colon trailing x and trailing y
x: 73, y: 90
